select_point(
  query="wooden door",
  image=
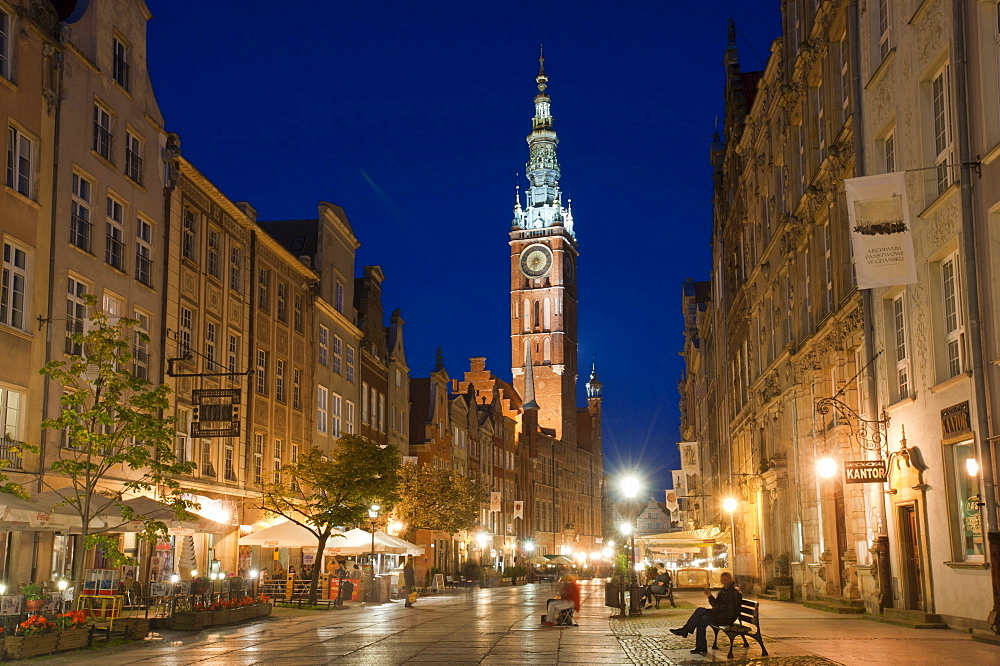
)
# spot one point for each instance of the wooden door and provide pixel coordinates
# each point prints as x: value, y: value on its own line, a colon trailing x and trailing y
x: 909, y: 530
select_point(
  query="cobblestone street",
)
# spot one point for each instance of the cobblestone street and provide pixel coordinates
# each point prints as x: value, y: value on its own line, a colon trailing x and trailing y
x: 502, y: 626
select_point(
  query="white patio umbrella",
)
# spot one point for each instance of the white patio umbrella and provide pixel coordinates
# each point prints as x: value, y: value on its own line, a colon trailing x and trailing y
x: 288, y: 535
x: 383, y: 542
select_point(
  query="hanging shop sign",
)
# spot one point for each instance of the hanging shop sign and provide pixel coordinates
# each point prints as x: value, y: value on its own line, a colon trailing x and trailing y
x: 864, y: 471
x: 881, y: 233
x: 216, y: 413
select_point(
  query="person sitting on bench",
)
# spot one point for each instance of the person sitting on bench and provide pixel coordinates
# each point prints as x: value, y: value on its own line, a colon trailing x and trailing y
x: 661, y: 585
x: 725, y: 609
x: 569, y: 597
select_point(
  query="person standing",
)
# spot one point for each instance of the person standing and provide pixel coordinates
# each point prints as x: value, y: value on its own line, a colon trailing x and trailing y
x: 410, y: 581
x: 725, y: 609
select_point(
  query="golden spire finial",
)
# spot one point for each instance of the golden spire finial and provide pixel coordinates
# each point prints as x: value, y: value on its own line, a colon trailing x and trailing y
x: 541, y: 78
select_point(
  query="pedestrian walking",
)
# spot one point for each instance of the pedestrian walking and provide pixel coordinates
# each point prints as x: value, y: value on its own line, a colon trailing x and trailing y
x: 725, y: 609
x: 410, y: 581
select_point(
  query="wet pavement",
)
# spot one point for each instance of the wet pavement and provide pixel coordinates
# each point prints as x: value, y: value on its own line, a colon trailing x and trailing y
x: 502, y: 626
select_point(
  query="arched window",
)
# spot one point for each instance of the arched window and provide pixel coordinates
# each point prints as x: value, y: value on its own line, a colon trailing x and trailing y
x: 547, y: 315
x: 534, y: 322
x: 547, y: 351
x: 525, y: 314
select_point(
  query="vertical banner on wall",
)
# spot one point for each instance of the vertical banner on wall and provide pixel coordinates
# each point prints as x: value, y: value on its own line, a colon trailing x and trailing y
x: 881, y: 233
x: 519, y: 510
x: 495, y: 502
x: 680, y: 482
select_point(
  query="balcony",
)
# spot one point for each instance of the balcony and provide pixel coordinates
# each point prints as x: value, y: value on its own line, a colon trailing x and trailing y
x: 114, y: 252
x: 10, y: 453
x: 143, y: 269
x: 103, y: 141
x: 80, y: 231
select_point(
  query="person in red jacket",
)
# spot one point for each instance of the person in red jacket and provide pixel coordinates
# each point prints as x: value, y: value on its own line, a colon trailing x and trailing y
x: 569, y: 597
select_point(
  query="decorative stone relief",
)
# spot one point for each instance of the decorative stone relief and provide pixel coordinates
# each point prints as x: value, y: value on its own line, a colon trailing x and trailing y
x: 918, y: 308
x: 279, y: 419
x: 931, y: 33
x: 235, y: 313
x: 942, y: 225
x: 214, y: 298
x: 260, y: 410
x: 281, y: 342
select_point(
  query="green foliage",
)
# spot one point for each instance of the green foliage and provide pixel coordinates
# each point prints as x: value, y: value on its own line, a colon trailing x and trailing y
x: 437, y: 499
x: 515, y: 572
x: 32, y: 592
x: 321, y: 491
x: 620, y: 571
x: 116, y: 432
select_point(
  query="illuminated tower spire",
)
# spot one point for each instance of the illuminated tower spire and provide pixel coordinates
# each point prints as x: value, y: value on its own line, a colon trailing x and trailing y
x: 543, y: 206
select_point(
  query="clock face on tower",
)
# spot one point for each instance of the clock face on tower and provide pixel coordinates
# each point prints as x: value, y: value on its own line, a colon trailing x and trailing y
x: 536, y: 260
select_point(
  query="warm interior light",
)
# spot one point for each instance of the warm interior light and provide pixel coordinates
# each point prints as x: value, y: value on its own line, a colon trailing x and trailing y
x: 194, y: 573
x: 174, y: 578
x: 729, y: 504
x: 972, y: 466
x: 3, y: 589
x: 826, y: 467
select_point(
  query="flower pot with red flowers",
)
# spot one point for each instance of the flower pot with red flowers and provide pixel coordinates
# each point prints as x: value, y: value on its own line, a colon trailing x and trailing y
x: 73, y: 630
x: 35, y: 636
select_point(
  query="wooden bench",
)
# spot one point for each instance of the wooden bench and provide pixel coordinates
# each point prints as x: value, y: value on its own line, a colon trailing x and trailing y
x: 747, y: 624
x: 669, y: 594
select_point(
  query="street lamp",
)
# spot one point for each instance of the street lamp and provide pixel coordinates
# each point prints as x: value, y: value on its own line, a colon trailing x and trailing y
x: 630, y: 489
x: 482, y: 539
x: 730, y: 505
x: 826, y: 467
x: 373, y: 514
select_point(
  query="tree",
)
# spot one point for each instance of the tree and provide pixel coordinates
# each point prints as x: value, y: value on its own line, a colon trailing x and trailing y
x: 321, y: 491
x: 437, y: 499
x: 117, y: 440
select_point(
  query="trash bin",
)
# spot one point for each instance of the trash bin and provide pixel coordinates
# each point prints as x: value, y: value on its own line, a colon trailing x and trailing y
x: 613, y: 595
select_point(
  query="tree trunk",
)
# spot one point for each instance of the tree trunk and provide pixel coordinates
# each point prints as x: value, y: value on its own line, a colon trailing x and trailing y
x: 79, y: 555
x: 317, y: 565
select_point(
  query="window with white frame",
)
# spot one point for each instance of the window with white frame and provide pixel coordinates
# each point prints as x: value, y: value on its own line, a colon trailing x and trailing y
x: 297, y: 312
x: 228, y: 456
x: 103, y: 138
x: 965, y: 491
x: 279, y: 453
x: 827, y: 266
x: 279, y: 380
x: 297, y: 388
x: 211, y: 345
x: 263, y: 287
x: 236, y: 269
x: 381, y: 412
x: 233, y: 354
x: 207, y: 455
x: 324, y: 345
x: 322, y: 400
x: 261, y: 372
x: 883, y: 15
x: 348, y: 417
x: 185, y: 332
x: 954, y: 326
x: 335, y: 408
x: 373, y: 406
x: 114, y: 239
x: 6, y: 45
x: 338, y: 299
x: 281, y: 302
x: 119, y: 62
x: 845, y: 77
x: 182, y: 435
x: 133, y: 156
x: 338, y: 354
x: 20, y: 162
x: 14, y: 295
x: 140, y: 347
x: 350, y: 363
x: 941, y: 115
x: 10, y: 415
x: 258, y: 458
x: 80, y: 225
x: 189, y: 235
x: 364, y: 403
x: 76, y: 313
x: 900, y: 347
x: 214, y: 266
x: 144, y: 252
x: 889, y: 151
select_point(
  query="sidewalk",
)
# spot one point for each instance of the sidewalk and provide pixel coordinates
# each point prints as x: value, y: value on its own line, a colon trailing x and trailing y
x: 795, y: 634
x: 501, y: 625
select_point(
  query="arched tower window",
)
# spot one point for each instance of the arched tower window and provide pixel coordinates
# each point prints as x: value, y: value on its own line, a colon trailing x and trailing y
x: 525, y: 313
x: 534, y: 322
x: 547, y: 315
x: 547, y: 350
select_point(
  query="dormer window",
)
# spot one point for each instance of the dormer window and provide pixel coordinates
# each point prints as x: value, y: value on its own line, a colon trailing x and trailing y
x: 119, y: 63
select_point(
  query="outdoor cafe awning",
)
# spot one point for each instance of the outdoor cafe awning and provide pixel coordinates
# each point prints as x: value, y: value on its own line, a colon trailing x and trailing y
x: 352, y: 542
x: 700, y: 538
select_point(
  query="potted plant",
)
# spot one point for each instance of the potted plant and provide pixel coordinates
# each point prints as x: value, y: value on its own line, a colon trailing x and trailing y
x: 34, y: 637
x: 200, y: 585
x: 34, y: 600
x: 783, y: 578
x: 73, y: 631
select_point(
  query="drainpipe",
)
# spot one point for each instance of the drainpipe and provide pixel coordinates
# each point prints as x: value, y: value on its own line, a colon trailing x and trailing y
x: 983, y: 440
x: 880, y: 543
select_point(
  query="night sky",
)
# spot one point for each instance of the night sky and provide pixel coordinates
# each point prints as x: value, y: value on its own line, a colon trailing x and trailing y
x: 413, y: 117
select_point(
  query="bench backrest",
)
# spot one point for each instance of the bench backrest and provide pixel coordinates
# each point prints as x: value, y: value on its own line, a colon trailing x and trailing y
x: 750, y: 612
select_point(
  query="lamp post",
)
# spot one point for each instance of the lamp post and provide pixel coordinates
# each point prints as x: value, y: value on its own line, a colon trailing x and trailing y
x: 630, y: 488
x: 373, y: 514
x: 730, y: 505
x: 482, y: 539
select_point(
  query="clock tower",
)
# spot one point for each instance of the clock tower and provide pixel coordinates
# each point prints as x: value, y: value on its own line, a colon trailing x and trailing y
x: 543, y: 300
